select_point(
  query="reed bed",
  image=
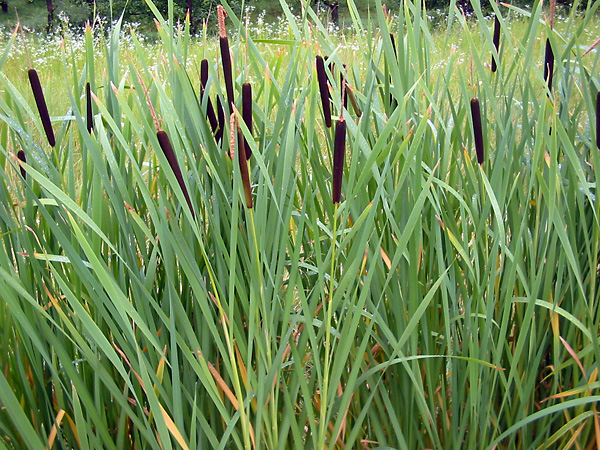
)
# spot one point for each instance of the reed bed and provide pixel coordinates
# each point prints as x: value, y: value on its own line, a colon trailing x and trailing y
x: 373, y: 282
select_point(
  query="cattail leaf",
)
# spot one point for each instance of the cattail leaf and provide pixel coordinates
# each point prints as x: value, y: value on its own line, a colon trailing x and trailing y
x: 324, y: 90
x: 339, y: 147
x: 548, y: 65
x: 598, y: 120
x: 23, y: 158
x: 88, y: 103
x: 477, y: 130
x: 40, y: 101
x: 496, y: 43
x: 247, y: 113
x: 167, y: 148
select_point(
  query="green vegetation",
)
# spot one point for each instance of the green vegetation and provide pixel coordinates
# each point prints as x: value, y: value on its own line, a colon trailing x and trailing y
x: 161, y: 290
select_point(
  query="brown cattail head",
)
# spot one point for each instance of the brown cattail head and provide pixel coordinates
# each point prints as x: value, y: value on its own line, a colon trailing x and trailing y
x: 221, y: 14
x: 225, y: 56
x: 40, y: 101
x: 88, y: 105
x: 221, y: 113
x: 339, y: 146
x: 344, y: 89
x: 167, y: 148
x: 324, y: 89
x: 247, y: 113
x: 477, y: 130
x: 203, y: 73
x: 548, y: 65
x: 598, y: 120
x: 496, y: 43
x: 23, y: 158
x: 243, y: 162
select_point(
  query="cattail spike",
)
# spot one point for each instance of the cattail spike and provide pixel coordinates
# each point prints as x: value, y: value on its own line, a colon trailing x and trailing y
x: 225, y: 56
x: 339, y: 146
x: 477, y: 130
x: 242, y: 161
x: 40, y: 101
x: 324, y: 89
x: 221, y: 113
x: 548, y: 65
x: 496, y: 43
x: 247, y: 113
x: 167, y: 148
x: 88, y: 103
x: 210, y: 110
x: 23, y: 158
x: 203, y: 73
x: 344, y: 89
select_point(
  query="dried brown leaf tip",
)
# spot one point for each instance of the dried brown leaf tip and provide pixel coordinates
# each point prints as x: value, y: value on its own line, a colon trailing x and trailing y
x: 496, y: 43
x: 339, y: 150
x: 167, y: 148
x: 324, y: 90
x: 40, y: 101
x: 477, y: 130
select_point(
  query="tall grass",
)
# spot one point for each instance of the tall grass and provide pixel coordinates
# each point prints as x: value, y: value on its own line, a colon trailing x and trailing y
x: 150, y: 300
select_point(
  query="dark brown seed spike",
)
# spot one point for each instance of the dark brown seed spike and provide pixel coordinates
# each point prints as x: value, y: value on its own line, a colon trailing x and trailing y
x: 598, y: 120
x: 477, y: 130
x: 339, y: 146
x: 324, y: 90
x: 203, y: 73
x: 549, y: 65
x: 88, y: 103
x: 22, y: 157
x: 247, y: 113
x: 40, y: 101
x: 496, y: 43
x: 344, y: 89
x: 221, y: 113
x: 227, y: 70
x: 244, y: 168
x: 167, y: 148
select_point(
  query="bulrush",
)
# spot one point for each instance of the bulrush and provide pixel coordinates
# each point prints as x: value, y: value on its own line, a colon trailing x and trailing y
x: 324, y: 89
x: 339, y: 146
x: 23, y: 158
x: 210, y: 110
x: 548, y: 65
x: 598, y: 120
x: 88, y: 105
x: 344, y: 89
x: 241, y: 156
x: 225, y: 56
x: 221, y: 112
x: 167, y: 148
x: 477, y: 131
x: 247, y: 113
x: 496, y: 43
x: 40, y: 101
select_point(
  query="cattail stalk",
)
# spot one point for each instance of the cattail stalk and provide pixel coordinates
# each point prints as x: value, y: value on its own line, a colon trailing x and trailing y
x: 225, y: 55
x: 88, y: 104
x: 22, y: 158
x: 496, y: 43
x: 548, y: 65
x: 40, y: 101
x: 167, y: 148
x: 324, y: 89
x: 339, y: 146
x: 247, y: 113
x: 477, y: 130
x: 598, y: 120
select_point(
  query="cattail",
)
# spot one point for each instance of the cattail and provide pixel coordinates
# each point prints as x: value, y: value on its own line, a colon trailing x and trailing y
x: 344, y: 89
x: 598, y: 120
x: 324, y: 89
x: 167, y: 148
x: 225, y: 56
x: 496, y: 43
x: 247, y: 113
x: 477, y: 131
x: 40, y: 101
x: 339, y: 145
x: 548, y: 65
x: 221, y: 112
x: 88, y: 102
x: 241, y: 154
x: 394, y: 44
x: 23, y: 158
x: 210, y: 111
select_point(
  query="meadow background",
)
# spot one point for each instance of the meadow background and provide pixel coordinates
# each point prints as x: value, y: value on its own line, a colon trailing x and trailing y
x: 448, y: 301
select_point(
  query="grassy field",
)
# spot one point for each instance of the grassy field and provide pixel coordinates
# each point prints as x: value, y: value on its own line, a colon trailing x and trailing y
x: 162, y: 290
